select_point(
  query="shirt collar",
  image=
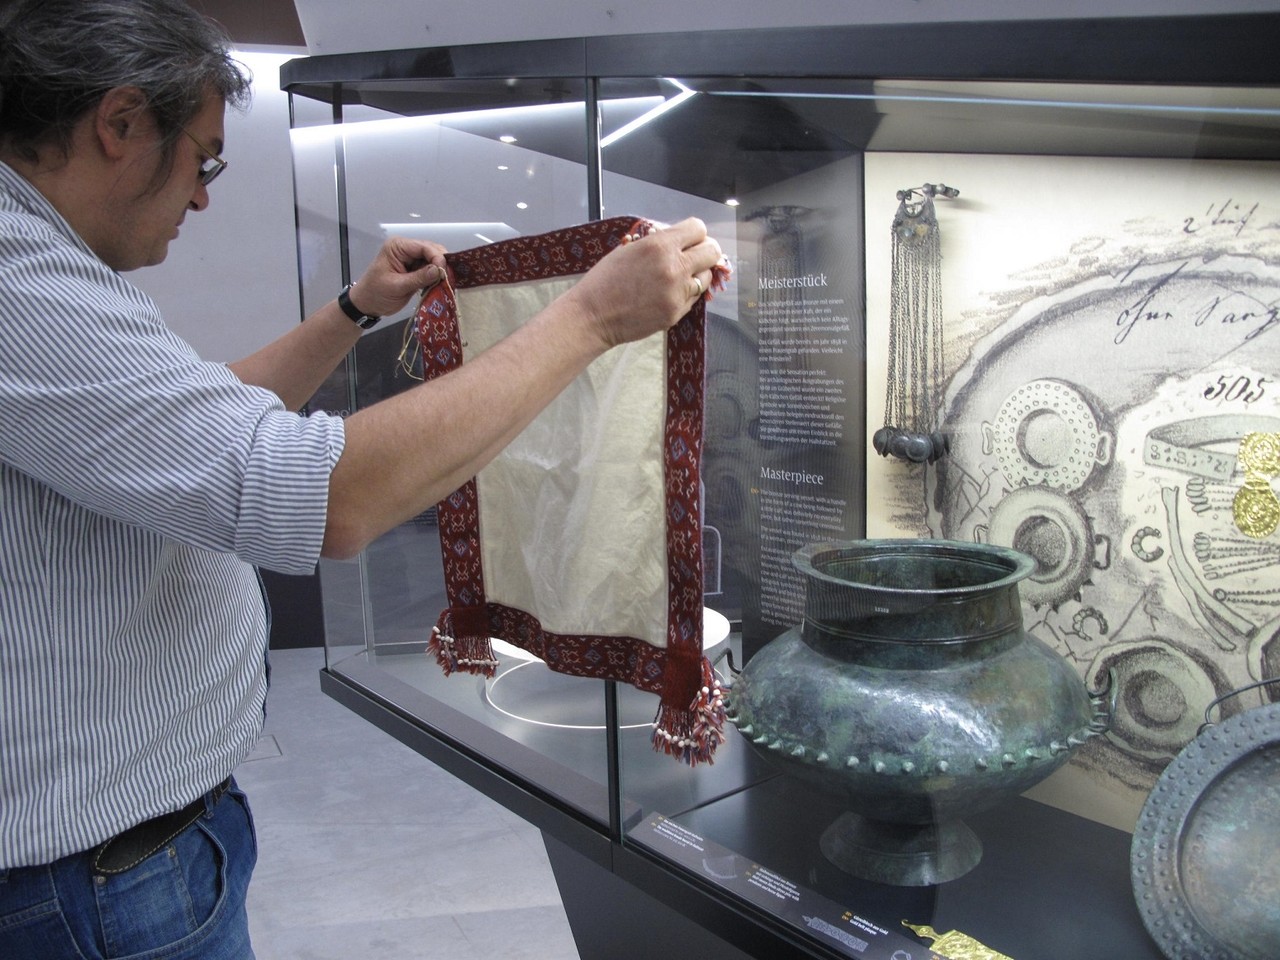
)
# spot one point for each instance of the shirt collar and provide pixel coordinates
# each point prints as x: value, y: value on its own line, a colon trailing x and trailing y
x: 18, y: 194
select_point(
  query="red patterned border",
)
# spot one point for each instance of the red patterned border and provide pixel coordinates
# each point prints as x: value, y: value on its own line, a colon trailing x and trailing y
x: 690, y: 711
x: 560, y: 253
x: 458, y: 515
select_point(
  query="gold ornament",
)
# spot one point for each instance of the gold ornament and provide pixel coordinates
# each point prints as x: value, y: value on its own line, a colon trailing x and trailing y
x: 956, y: 945
x: 1260, y: 453
x: 1255, y: 506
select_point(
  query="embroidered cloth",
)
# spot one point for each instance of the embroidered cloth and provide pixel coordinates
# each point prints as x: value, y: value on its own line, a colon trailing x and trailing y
x: 581, y: 543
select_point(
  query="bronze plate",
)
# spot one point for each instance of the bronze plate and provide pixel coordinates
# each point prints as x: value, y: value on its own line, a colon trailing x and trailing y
x: 1205, y: 860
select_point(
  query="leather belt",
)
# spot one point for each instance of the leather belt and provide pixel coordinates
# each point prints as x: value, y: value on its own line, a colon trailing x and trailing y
x: 126, y: 850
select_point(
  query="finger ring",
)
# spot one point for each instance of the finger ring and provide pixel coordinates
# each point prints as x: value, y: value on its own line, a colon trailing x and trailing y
x: 701, y: 289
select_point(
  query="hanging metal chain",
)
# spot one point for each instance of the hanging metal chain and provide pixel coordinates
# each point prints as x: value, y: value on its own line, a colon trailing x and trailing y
x: 913, y: 379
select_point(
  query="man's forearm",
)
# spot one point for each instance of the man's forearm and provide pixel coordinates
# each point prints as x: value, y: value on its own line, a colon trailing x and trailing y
x: 406, y: 453
x: 295, y: 365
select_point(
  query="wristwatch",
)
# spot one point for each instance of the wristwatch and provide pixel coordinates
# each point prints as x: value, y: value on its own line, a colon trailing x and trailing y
x: 363, y: 320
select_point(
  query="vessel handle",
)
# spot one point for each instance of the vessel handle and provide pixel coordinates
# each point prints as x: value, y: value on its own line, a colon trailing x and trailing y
x: 1102, y: 454
x: 1231, y: 693
x: 1104, y: 541
x: 1104, y: 704
x: 727, y: 654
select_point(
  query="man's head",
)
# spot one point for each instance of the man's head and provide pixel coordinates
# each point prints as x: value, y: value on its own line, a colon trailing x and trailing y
x: 58, y: 58
x: 114, y: 109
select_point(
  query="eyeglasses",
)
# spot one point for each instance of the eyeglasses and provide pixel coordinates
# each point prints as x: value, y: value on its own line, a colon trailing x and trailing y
x: 211, y: 166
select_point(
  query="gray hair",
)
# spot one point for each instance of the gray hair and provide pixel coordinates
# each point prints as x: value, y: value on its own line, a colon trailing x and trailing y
x: 58, y: 58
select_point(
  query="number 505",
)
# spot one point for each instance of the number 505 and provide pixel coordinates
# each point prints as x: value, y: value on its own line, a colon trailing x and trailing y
x: 1241, y: 388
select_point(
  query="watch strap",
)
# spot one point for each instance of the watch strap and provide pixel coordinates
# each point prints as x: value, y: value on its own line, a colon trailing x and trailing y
x: 362, y: 320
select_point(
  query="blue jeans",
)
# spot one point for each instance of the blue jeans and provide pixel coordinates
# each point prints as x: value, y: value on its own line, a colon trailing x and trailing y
x: 184, y: 902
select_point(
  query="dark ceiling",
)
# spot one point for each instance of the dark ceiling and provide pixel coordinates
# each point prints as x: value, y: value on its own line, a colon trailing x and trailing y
x: 256, y: 22
x: 272, y: 23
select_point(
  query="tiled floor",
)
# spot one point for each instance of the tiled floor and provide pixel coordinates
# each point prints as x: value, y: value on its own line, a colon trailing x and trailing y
x: 367, y: 850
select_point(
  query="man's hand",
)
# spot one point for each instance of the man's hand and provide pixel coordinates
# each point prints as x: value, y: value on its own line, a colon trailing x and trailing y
x: 400, y: 270
x: 647, y: 285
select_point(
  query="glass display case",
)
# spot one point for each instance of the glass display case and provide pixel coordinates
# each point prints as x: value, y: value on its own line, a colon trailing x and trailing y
x: 1104, y: 201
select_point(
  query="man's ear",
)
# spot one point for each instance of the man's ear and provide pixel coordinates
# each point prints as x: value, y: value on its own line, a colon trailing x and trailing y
x: 119, y: 120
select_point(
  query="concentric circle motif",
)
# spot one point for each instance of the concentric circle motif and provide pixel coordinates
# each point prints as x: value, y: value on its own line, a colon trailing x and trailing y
x: 1256, y: 508
x: 1054, y: 531
x: 1260, y: 453
x: 1046, y: 433
x: 1205, y: 857
x: 1163, y: 693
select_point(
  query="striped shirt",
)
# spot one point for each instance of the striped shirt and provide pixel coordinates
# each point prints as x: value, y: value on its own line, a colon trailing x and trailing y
x: 140, y: 487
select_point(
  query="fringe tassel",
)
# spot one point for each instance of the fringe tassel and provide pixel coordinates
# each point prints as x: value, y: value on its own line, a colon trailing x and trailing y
x: 468, y: 654
x: 720, y: 275
x: 692, y: 733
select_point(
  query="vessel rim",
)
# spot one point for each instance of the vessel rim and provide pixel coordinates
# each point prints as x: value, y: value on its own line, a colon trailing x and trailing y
x: 1017, y: 565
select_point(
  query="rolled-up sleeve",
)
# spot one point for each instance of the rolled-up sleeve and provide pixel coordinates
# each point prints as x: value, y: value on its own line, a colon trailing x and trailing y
x: 106, y: 406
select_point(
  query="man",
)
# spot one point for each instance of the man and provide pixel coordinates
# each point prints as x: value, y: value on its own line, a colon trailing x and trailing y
x: 140, y: 487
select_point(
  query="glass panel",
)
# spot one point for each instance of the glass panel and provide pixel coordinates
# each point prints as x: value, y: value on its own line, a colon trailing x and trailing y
x: 1052, y: 305
x: 462, y: 164
x: 784, y: 383
x: 320, y: 269
x: 1080, y: 354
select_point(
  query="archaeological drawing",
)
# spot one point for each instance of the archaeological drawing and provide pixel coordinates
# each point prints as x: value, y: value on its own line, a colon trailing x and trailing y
x: 1108, y: 349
